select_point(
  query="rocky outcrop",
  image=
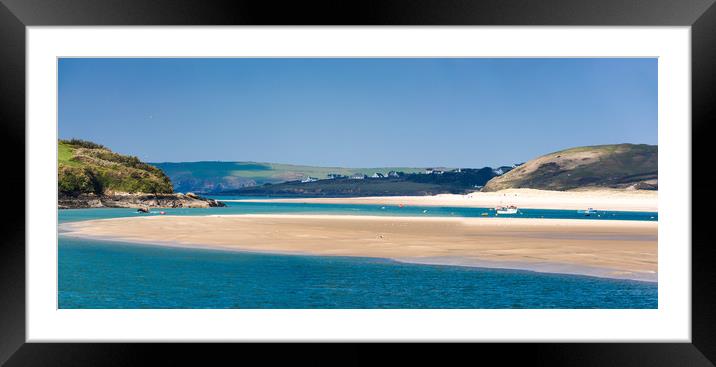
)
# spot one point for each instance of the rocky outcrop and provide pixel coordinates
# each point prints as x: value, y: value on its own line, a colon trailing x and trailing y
x: 123, y: 200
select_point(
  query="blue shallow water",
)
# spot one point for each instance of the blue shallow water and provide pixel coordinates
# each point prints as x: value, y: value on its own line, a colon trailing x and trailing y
x: 101, y: 274
x: 352, y: 209
x: 115, y: 275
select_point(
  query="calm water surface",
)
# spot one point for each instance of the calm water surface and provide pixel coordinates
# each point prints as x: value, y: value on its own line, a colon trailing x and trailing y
x: 101, y: 274
x: 354, y: 209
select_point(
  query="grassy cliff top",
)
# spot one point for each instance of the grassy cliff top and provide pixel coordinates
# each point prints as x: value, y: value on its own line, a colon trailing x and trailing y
x: 600, y: 166
x: 86, y: 167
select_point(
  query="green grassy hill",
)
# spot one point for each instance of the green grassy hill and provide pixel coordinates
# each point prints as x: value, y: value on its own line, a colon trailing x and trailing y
x: 451, y: 182
x: 85, y: 167
x: 224, y: 176
x: 601, y: 166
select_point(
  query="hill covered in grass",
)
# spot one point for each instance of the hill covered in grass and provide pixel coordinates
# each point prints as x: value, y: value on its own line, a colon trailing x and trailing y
x: 215, y: 177
x: 399, y: 184
x: 88, y: 168
x: 601, y: 166
x: 92, y: 176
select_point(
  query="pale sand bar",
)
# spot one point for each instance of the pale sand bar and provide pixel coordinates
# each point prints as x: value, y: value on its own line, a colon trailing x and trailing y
x: 619, y: 200
x: 605, y: 248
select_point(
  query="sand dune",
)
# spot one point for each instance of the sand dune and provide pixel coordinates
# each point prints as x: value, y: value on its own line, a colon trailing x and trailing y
x: 617, y: 249
x: 620, y: 200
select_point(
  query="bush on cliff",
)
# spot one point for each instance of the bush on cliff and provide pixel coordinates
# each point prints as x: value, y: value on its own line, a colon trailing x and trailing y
x: 85, y: 167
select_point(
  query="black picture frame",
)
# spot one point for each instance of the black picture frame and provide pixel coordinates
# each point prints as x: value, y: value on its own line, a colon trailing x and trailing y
x: 15, y: 15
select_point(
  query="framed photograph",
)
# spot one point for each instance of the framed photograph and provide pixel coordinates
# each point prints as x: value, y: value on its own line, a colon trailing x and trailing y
x: 482, y: 173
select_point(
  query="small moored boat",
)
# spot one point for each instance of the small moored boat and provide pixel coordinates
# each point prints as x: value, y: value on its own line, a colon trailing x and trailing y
x: 506, y: 209
x: 587, y: 212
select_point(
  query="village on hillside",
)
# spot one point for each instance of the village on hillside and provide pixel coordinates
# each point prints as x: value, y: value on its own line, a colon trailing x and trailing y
x: 397, y: 174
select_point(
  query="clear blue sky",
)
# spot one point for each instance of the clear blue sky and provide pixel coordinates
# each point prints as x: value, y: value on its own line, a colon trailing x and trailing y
x: 357, y: 112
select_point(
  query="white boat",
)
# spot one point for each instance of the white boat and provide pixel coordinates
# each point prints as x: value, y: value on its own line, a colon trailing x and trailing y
x: 587, y: 212
x: 506, y: 209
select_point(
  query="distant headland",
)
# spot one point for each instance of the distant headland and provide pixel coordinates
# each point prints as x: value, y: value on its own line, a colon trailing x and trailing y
x: 91, y: 175
x: 617, y: 166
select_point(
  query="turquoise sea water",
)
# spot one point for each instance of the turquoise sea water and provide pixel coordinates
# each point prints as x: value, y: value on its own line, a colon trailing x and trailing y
x: 102, y: 274
x: 353, y: 209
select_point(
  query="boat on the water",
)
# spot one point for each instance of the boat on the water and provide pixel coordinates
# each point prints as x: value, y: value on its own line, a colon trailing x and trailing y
x: 506, y: 209
x: 587, y: 212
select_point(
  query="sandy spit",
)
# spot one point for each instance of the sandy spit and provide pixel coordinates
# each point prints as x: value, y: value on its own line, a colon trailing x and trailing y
x: 618, y: 200
x: 605, y: 248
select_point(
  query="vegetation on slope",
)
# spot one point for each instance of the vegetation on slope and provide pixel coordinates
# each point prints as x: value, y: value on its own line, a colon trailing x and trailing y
x: 85, y: 167
x: 214, y: 177
x: 454, y: 182
x: 601, y: 166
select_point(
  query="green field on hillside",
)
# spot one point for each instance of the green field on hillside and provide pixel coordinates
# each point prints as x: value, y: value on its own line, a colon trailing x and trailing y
x: 223, y: 176
x: 85, y: 167
x: 451, y: 182
x: 600, y: 166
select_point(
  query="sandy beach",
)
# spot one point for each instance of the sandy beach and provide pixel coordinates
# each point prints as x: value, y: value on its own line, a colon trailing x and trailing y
x: 618, y: 200
x: 614, y: 249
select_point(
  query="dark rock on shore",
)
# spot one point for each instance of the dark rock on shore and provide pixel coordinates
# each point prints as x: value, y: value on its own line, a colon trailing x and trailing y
x: 67, y: 201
